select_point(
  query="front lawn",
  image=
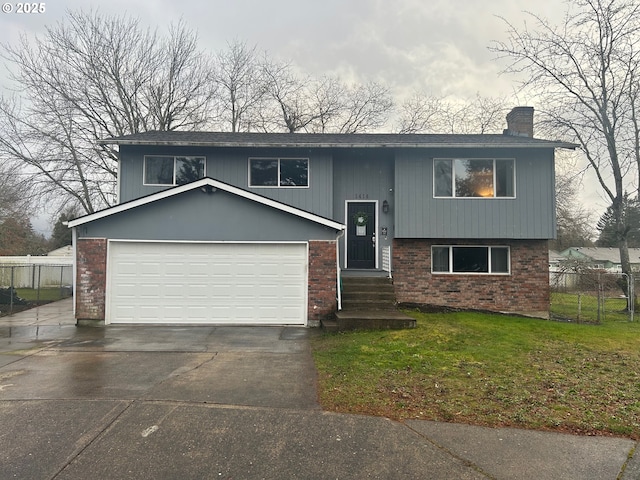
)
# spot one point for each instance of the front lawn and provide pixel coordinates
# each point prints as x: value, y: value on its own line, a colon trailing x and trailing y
x: 489, y: 370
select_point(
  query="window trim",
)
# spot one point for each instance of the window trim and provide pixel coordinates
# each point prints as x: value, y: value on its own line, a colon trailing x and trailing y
x: 488, y: 247
x: 278, y: 159
x: 175, y: 158
x: 453, y: 178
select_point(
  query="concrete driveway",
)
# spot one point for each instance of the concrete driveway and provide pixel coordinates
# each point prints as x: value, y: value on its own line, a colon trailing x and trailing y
x: 232, y: 403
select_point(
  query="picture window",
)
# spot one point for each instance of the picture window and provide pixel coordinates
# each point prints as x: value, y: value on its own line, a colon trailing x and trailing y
x: 474, y: 178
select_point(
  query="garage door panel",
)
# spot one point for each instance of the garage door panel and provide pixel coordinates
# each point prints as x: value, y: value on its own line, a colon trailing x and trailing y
x: 207, y: 283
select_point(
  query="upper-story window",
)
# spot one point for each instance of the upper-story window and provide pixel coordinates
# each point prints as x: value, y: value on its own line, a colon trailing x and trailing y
x: 278, y: 172
x: 163, y: 170
x: 474, y: 177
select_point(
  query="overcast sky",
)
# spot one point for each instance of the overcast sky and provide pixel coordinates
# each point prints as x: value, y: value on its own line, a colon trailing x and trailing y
x: 438, y: 47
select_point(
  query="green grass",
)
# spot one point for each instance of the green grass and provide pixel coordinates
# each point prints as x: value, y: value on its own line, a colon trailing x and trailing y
x: 565, y: 305
x: 489, y: 370
x: 46, y: 294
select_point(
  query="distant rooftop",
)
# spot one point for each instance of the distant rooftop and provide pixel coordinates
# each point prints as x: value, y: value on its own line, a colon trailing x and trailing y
x: 601, y: 254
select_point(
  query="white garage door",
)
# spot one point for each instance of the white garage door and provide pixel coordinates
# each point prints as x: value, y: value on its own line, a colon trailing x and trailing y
x: 207, y: 283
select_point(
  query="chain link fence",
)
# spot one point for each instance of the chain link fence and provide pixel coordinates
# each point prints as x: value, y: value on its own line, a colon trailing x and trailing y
x: 591, y: 296
x: 26, y: 286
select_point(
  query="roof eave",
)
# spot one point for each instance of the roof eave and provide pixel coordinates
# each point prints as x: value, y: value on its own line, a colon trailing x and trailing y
x: 549, y: 144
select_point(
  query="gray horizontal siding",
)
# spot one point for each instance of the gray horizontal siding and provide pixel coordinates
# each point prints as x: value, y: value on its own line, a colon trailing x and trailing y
x: 531, y: 215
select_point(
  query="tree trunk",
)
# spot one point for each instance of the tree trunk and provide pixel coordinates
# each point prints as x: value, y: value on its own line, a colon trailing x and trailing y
x: 623, y: 245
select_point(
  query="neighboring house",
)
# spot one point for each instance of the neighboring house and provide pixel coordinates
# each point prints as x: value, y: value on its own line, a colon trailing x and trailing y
x: 555, y: 260
x: 255, y: 228
x: 62, y: 252
x: 604, y: 258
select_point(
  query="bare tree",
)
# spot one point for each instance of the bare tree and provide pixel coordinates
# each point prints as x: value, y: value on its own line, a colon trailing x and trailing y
x: 429, y: 114
x: 574, y: 221
x: 241, y: 87
x: 420, y: 114
x: 90, y: 77
x: 301, y: 103
x: 365, y: 108
x: 290, y: 105
x: 585, y: 72
x: 15, y: 191
x: 327, y: 97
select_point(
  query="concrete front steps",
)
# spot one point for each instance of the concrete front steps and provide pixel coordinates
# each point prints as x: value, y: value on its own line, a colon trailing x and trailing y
x: 368, y: 303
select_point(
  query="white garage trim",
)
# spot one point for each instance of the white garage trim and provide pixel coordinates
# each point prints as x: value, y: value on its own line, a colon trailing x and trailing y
x: 227, y: 283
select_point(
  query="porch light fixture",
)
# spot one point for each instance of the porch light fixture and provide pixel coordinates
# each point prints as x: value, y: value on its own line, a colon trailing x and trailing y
x: 385, y: 207
x: 208, y: 189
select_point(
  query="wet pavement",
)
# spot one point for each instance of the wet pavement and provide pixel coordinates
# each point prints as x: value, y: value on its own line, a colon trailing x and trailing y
x: 162, y: 402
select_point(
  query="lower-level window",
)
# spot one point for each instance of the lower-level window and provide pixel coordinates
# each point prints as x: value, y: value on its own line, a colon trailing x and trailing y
x: 470, y: 259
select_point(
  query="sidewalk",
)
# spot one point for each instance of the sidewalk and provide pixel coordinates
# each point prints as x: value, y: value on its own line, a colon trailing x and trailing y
x: 234, y: 403
x: 54, y: 313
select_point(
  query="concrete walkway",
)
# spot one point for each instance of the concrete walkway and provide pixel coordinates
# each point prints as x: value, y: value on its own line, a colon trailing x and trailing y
x: 233, y: 403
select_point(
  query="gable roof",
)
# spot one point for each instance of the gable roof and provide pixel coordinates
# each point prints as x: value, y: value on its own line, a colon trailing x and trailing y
x: 213, y: 185
x: 332, y: 140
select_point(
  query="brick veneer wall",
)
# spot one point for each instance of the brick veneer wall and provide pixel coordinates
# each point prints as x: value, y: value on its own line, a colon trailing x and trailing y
x: 322, y: 281
x: 91, y: 278
x: 525, y: 291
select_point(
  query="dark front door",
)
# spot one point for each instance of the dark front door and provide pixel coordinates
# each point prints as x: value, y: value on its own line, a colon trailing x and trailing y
x: 361, y: 231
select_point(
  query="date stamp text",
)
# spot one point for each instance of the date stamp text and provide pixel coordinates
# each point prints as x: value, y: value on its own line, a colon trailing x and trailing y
x: 24, y: 8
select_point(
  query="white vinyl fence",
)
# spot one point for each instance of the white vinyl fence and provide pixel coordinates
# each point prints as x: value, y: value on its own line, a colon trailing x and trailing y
x: 35, y: 272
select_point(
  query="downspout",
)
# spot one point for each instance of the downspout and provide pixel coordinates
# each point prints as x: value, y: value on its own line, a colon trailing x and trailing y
x: 338, y: 271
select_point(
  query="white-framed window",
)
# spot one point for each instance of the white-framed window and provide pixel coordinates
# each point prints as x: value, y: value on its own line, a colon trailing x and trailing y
x: 471, y: 259
x: 474, y: 177
x: 170, y: 170
x: 279, y: 172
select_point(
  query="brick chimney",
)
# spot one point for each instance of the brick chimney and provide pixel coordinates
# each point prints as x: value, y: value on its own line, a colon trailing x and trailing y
x: 520, y: 122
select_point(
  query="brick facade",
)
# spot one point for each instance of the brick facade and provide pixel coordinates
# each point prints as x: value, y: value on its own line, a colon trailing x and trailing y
x: 322, y: 281
x: 525, y: 290
x: 91, y: 278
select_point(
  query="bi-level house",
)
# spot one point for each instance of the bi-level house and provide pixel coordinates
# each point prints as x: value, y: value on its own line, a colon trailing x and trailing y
x: 257, y: 228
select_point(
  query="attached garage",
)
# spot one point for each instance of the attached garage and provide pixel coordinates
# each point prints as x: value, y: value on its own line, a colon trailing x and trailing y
x: 204, y: 283
x: 206, y: 253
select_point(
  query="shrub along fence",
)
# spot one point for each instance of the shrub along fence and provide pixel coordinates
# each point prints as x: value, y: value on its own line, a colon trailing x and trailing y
x: 33, y: 284
x: 591, y: 296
